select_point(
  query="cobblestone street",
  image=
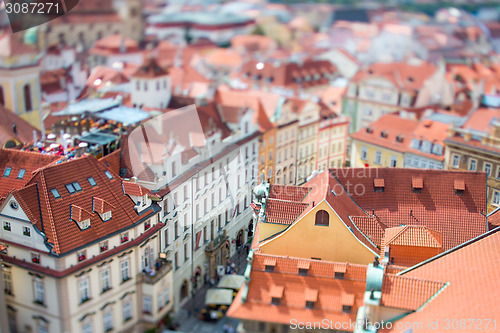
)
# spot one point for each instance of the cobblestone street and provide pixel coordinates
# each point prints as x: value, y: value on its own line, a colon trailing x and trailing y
x: 188, y: 315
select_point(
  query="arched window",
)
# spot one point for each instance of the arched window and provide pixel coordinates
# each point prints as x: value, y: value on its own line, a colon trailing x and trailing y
x: 2, y: 98
x: 322, y: 218
x: 27, y: 98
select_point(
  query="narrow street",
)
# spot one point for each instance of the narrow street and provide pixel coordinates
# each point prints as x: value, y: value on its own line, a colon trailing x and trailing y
x: 187, y: 317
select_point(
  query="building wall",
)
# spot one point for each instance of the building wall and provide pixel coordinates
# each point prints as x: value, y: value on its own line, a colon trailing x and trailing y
x: 267, y: 230
x: 286, y: 147
x: 304, y: 239
x: 386, y: 155
x: 151, y: 92
x: 267, y: 154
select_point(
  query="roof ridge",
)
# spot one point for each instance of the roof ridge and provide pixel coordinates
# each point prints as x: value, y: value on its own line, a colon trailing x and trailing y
x: 49, y: 210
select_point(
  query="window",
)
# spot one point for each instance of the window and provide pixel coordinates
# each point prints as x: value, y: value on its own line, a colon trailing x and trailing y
x: 20, y: 175
x: 275, y: 301
x: 124, y: 237
x: 108, y: 174
x: 378, y: 157
x: 2, y: 97
x: 7, y: 282
x: 27, y: 98
x: 456, y: 161
x: 205, y: 238
x: 26, y: 231
x: 270, y: 173
x: 6, y: 226
x: 176, y: 260
x: 85, y: 224
x: 394, y: 161
x: 472, y: 165
x: 84, y: 290
x: 166, y: 295
x: 339, y: 275
x: 127, y: 310
x: 87, y: 326
x: 160, y: 301
x: 165, y: 233
x: 55, y: 193
x: 105, y: 280
x: 364, y: 153
x: 303, y: 271
x: 107, y: 319
x: 173, y: 169
x: 185, y: 192
x: 35, y: 257
x: 73, y: 187
x: 39, y: 291
x: 186, y: 257
x: 91, y: 181
x: 496, y: 198
x: 146, y: 305
x: 322, y: 218
x: 106, y: 216
x: 82, y: 255
x: 487, y: 169
x: 103, y: 246
x: 309, y: 305
x: 346, y: 308
x: 7, y: 171
x: 147, y: 225
x: 176, y: 229
x: 125, y: 270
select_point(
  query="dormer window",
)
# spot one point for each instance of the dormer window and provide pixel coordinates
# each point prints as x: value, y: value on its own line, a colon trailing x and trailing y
x: 269, y: 264
x: 27, y: 231
x: 399, y: 138
x: 124, y: 237
x: 106, y: 216
x: 369, y: 130
x: 340, y: 270
x: 379, y: 184
x: 85, y: 224
x: 21, y: 173
x: 55, y: 193
x: 276, y: 294
x: 417, y: 183
x: 35, y: 258
x: 384, y: 134
x: 82, y: 255
x: 459, y: 186
x: 303, y: 266
x: 347, y: 302
x: 311, y: 297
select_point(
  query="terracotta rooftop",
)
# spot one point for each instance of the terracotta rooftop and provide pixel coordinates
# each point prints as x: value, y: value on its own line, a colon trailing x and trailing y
x: 320, y: 286
x: 283, y: 212
x: 47, y: 200
x: 407, y: 293
x: 24, y: 130
x: 468, y: 269
x: 410, y: 235
x: 150, y: 69
x: 290, y: 193
x: 405, y: 76
x: 16, y: 161
x: 458, y: 217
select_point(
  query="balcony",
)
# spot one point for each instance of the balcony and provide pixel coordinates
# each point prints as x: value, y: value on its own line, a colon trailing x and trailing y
x: 216, y: 243
x: 155, y: 275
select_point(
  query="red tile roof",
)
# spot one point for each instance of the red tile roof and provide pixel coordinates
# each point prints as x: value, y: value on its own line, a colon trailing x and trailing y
x: 319, y: 286
x: 150, y: 69
x: 469, y: 270
x: 24, y: 130
x: 290, y: 193
x: 407, y: 293
x: 17, y: 160
x: 405, y: 76
x: 283, y: 212
x: 131, y: 188
x: 51, y: 215
x: 412, y: 235
x: 112, y: 161
x: 457, y: 218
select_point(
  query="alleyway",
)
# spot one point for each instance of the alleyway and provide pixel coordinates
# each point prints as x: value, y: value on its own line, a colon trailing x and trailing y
x: 187, y: 317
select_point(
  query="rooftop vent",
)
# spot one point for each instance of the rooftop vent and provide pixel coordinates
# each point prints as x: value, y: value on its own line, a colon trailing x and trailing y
x: 417, y: 183
x: 459, y: 186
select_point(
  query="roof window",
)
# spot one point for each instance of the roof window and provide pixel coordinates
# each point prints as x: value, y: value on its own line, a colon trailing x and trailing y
x: 55, y: 193
x: 91, y: 181
x: 7, y: 171
x: 108, y: 174
x: 21, y: 173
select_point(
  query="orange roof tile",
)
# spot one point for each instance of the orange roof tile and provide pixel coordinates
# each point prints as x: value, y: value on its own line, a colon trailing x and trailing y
x: 287, y: 192
x: 131, y: 188
x: 150, y: 69
x: 469, y: 270
x: 407, y: 293
x: 20, y: 160
x: 24, y: 130
x: 311, y: 295
x: 79, y: 214
x: 283, y: 212
x: 411, y: 235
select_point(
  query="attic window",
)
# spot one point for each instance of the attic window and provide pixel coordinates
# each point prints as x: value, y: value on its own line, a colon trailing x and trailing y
x: 369, y: 130
x: 21, y: 173
x: 346, y: 308
x: 82, y: 255
x: 303, y: 271
x: 383, y: 134
x: 309, y: 305
x: 85, y: 224
x: 55, y: 193
x: 459, y: 186
x: 276, y: 294
x: 399, y: 138
x: 269, y: 264
x: 108, y: 174
x: 379, y: 184
x: 339, y: 275
x: 410, y: 79
x: 275, y: 301
x: 347, y: 302
x: 311, y: 297
x: 106, y: 215
x: 417, y: 183
x: 73, y: 187
x: 7, y: 171
x: 92, y: 181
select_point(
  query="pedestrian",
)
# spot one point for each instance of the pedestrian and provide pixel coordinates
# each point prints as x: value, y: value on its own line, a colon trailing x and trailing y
x: 230, y: 329
x: 247, y: 248
x: 225, y: 328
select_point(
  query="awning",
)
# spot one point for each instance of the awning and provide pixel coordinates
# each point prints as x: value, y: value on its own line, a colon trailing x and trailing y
x: 231, y: 281
x: 99, y: 138
x: 218, y: 296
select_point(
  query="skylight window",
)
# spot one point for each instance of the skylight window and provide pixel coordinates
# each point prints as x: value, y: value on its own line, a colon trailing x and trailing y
x: 55, y: 193
x: 7, y: 172
x: 108, y: 174
x: 70, y: 188
x: 21, y: 173
x: 91, y: 181
x: 73, y: 187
